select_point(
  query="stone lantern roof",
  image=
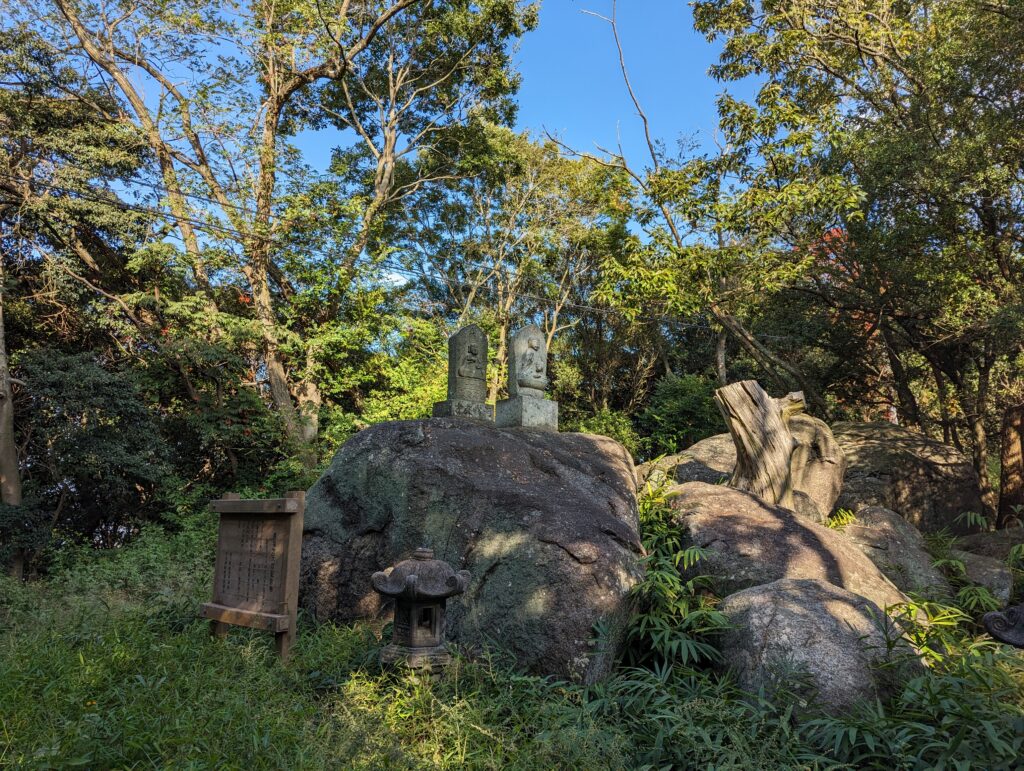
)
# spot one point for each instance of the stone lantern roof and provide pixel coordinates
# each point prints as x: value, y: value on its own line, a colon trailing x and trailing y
x: 421, y: 578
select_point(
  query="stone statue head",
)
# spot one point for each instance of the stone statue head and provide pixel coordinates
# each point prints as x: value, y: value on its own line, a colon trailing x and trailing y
x: 467, y: 365
x: 528, y: 363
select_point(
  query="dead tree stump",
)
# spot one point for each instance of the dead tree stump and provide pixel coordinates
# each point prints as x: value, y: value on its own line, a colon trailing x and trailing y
x: 759, y: 426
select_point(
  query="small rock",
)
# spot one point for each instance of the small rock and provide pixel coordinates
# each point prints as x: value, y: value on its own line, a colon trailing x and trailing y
x: 985, y: 571
x: 995, y: 544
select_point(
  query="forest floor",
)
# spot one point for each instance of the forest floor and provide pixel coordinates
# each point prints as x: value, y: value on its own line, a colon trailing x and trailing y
x: 105, y: 664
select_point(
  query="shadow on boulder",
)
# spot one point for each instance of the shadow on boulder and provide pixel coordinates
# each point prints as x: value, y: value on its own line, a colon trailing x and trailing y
x: 748, y: 542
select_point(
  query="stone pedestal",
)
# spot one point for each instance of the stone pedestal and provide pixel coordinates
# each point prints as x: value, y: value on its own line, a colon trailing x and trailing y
x: 460, y: 408
x: 430, y: 659
x: 527, y: 412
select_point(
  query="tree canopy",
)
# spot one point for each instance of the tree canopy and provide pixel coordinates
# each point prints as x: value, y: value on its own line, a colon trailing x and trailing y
x: 187, y: 305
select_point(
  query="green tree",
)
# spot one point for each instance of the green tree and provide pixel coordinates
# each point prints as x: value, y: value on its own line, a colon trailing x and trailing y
x: 224, y: 169
x: 722, y: 233
x: 918, y: 105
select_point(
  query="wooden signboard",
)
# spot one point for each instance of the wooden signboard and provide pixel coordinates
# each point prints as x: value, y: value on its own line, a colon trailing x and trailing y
x: 256, y: 575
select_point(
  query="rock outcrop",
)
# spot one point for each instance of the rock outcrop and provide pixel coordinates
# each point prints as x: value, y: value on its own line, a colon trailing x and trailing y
x: 545, y: 523
x: 748, y: 542
x: 898, y: 550
x: 926, y: 482
x: 710, y: 460
x: 813, y: 637
x: 818, y: 464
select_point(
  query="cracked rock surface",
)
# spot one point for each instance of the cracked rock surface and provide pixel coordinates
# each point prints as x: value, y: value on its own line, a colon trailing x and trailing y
x: 546, y: 523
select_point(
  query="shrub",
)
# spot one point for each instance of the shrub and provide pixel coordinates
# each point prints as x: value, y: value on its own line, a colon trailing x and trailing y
x: 105, y: 664
x: 675, y: 620
x: 611, y: 423
x: 681, y: 411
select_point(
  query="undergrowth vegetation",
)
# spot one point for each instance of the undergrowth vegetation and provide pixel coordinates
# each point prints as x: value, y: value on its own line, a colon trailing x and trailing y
x: 105, y: 664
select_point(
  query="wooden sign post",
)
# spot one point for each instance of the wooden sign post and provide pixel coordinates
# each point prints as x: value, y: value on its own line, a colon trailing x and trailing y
x: 256, y: 575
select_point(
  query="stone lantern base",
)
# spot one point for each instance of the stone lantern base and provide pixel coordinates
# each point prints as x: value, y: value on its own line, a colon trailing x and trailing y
x: 433, y: 659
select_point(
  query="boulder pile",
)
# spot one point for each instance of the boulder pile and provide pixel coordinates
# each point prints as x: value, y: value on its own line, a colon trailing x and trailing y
x: 546, y: 524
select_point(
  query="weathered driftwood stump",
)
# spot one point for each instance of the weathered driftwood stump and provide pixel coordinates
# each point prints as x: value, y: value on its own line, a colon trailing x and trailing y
x: 759, y: 426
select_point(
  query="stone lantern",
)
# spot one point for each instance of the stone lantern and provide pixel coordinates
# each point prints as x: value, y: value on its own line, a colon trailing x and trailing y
x: 420, y: 587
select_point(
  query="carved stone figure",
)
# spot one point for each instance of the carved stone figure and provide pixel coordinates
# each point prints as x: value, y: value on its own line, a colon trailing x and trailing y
x: 527, y: 379
x: 467, y: 376
x: 467, y: 364
x: 528, y: 365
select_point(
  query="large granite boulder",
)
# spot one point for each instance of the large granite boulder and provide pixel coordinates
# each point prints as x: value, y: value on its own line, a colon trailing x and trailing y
x: 898, y: 550
x: 545, y: 523
x: 748, y: 542
x: 816, y: 466
x: 710, y: 460
x: 925, y: 481
x: 813, y: 637
x: 996, y: 544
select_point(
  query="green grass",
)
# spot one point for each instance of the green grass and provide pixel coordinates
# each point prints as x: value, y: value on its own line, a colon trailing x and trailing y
x: 105, y: 665
x: 108, y: 666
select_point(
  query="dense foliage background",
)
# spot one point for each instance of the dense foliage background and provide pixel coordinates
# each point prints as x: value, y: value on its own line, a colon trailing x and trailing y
x: 187, y: 307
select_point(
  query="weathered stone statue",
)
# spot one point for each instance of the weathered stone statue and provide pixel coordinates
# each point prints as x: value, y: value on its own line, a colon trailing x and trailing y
x: 467, y: 377
x: 527, y: 379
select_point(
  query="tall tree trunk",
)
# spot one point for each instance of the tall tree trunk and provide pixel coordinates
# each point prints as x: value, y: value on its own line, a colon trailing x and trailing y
x: 949, y: 432
x: 1011, y: 486
x: 500, y: 355
x: 908, y: 407
x: 302, y: 424
x: 974, y: 411
x: 720, y: 369
x: 10, y: 475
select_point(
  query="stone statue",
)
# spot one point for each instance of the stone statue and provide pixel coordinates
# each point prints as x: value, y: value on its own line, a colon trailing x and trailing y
x: 527, y: 379
x: 467, y: 377
x: 528, y: 364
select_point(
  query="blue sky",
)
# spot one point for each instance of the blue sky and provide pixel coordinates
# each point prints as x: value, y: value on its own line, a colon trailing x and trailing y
x: 572, y: 85
x: 573, y: 88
